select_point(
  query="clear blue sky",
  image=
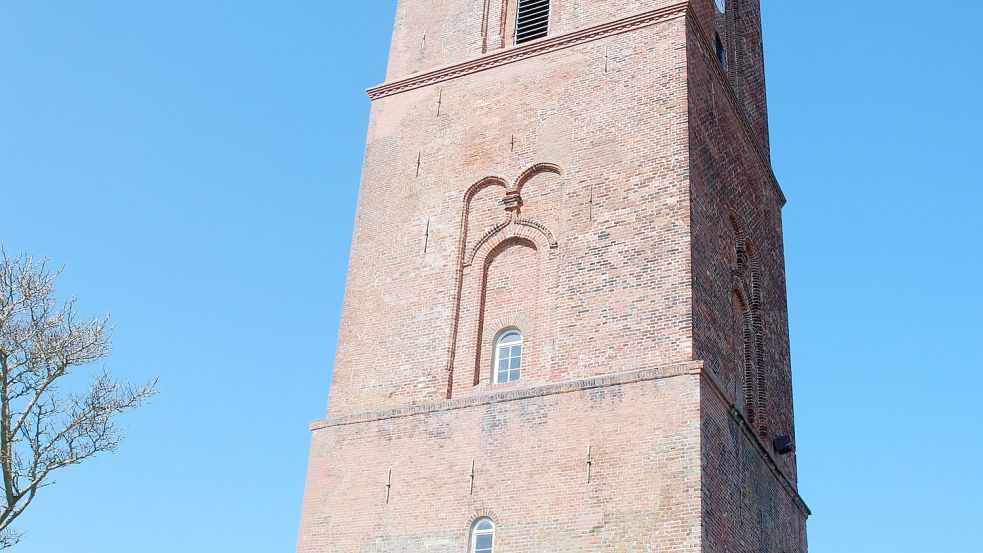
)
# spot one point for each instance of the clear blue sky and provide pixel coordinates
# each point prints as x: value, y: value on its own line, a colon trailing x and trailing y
x: 195, y: 164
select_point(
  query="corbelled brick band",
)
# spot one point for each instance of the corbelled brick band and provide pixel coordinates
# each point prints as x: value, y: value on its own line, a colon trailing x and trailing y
x: 514, y: 395
x: 607, y: 192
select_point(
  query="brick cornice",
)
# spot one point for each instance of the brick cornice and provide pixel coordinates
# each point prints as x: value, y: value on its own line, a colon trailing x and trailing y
x: 619, y: 379
x: 532, y: 49
x: 568, y: 40
x: 658, y: 373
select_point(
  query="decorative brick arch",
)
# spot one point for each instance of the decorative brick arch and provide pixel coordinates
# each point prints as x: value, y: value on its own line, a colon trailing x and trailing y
x: 473, y: 256
x: 480, y: 514
x: 531, y: 172
x: 481, y: 185
x: 469, y: 195
x: 484, y: 243
x: 518, y: 320
x: 747, y: 286
x: 525, y: 320
x: 510, y: 190
x: 536, y: 225
x: 512, y: 227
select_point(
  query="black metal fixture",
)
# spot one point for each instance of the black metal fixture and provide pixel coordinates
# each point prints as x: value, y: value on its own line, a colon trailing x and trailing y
x: 784, y: 445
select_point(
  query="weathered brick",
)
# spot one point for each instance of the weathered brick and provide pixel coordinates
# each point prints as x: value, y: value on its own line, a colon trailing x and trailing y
x: 608, y: 191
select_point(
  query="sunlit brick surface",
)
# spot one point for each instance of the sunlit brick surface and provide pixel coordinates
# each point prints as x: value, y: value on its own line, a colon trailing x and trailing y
x: 583, y: 190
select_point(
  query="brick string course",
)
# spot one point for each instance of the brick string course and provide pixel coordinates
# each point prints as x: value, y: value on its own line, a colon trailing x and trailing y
x: 583, y: 188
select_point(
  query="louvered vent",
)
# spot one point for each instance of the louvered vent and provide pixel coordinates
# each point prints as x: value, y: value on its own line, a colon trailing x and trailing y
x: 532, y: 21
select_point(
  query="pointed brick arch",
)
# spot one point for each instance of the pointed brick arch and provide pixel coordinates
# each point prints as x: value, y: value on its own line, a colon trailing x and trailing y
x: 747, y: 286
x: 467, y: 334
x: 469, y: 195
x: 524, y: 317
x: 481, y: 185
x: 512, y: 227
x: 535, y: 170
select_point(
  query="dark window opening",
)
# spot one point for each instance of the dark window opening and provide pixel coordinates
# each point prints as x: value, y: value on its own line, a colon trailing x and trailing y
x: 721, y: 53
x: 532, y: 20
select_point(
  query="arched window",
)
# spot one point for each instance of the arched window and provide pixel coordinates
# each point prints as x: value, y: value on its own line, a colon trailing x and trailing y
x: 483, y: 536
x: 721, y: 5
x: 508, y: 357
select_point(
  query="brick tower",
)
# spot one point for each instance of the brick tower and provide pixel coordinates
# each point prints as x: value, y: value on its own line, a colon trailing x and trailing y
x: 565, y: 323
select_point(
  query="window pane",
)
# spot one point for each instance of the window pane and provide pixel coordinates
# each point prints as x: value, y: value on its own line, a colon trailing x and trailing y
x: 484, y: 525
x: 516, y: 363
x: 514, y: 376
x: 503, y: 376
x: 484, y: 541
x: 516, y: 351
x: 503, y: 364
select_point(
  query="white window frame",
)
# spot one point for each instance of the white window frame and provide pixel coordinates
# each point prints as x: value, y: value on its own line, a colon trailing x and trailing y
x: 721, y: 5
x: 508, y: 339
x: 477, y: 532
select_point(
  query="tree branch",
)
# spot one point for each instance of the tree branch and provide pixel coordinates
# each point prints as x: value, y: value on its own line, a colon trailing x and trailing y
x: 41, y: 430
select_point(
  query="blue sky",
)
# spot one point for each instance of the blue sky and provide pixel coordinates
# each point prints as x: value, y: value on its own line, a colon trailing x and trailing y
x: 195, y: 166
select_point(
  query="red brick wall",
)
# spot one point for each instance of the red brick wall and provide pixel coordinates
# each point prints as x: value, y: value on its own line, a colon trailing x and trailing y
x: 531, y: 474
x: 513, y: 297
x: 581, y: 189
x: 747, y: 504
x: 750, y: 503
x: 747, y: 72
x: 729, y: 177
x: 616, y: 284
x: 739, y: 28
x: 435, y: 33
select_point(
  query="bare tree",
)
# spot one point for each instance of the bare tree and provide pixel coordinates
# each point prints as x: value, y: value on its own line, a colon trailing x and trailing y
x: 43, y: 426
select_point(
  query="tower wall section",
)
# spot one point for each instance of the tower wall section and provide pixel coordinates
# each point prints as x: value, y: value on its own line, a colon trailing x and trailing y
x: 595, y: 134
